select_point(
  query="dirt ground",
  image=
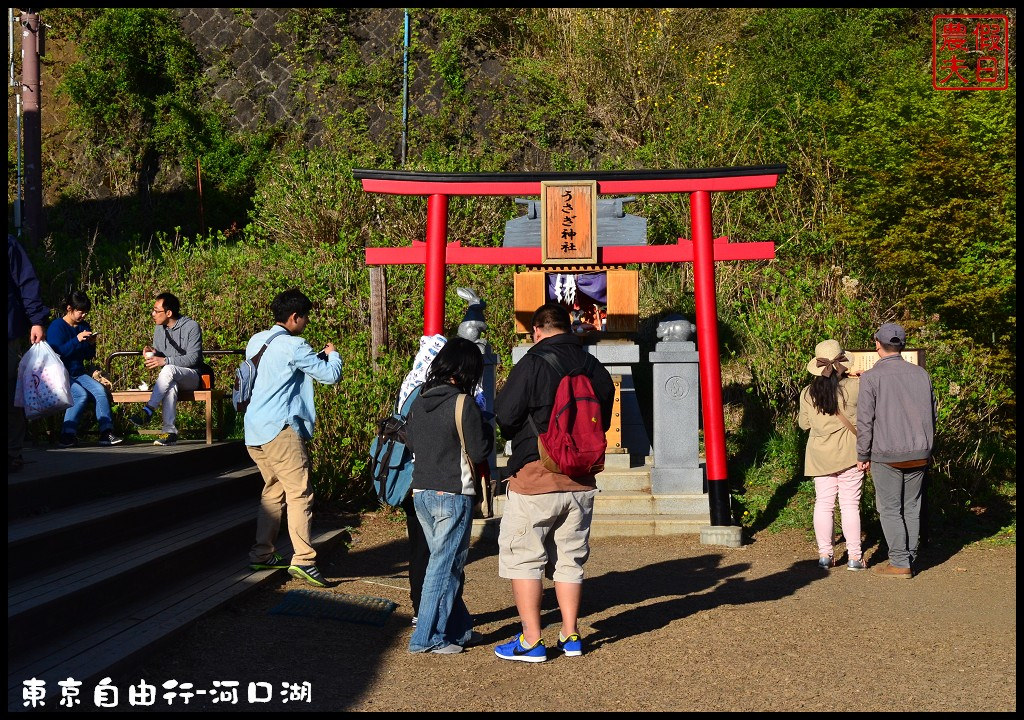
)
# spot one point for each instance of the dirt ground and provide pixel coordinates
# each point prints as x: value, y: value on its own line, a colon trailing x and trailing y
x: 668, y: 625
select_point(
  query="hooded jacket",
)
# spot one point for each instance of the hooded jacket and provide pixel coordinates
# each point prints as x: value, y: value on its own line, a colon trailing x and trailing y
x: 181, y: 345
x: 431, y: 434
x: 530, y: 391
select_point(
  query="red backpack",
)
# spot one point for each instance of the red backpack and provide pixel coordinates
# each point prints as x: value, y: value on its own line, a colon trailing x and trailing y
x: 574, y: 443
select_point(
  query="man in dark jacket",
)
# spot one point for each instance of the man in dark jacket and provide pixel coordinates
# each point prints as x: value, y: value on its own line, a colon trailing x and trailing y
x: 25, y: 313
x: 545, y: 526
x: 895, y: 434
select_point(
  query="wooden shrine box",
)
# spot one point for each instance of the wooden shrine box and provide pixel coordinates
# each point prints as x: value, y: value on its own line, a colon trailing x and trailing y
x: 623, y: 309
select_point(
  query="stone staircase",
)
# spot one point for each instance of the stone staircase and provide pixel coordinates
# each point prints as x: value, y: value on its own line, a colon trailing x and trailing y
x: 111, y: 551
x: 625, y: 504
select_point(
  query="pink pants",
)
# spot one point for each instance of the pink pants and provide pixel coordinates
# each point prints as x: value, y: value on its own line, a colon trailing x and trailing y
x: 847, y: 484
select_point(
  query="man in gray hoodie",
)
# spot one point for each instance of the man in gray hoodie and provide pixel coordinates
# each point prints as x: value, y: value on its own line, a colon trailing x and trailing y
x: 177, y: 351
x: 895, y: 434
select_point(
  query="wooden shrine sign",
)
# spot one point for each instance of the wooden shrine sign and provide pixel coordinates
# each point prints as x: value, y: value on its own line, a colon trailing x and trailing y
x: 568, y: 231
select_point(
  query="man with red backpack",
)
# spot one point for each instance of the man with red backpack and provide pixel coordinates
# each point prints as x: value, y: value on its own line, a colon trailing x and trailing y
x: 545, y: 526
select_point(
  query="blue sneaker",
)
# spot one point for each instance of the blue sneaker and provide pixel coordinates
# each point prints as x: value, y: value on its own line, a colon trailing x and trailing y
x: 515, y: 649
x: 141, y: 419
x: 571, y: 646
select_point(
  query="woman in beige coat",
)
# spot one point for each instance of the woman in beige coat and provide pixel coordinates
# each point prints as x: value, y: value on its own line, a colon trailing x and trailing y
x: 828, y: 409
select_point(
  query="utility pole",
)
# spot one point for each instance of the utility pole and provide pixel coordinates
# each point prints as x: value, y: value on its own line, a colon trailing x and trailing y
x: 405, y: 89
x: 31, y: 45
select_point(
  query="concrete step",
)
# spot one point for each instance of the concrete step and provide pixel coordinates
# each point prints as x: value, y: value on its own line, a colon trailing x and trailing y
x: 113, y: 550
x: 486, y: 530
x: 612, y: 461
x: 625, y: 504
x: 632, y: 480
x: 637, y: 503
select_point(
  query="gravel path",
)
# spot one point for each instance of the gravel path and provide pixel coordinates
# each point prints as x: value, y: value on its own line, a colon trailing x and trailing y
x: 668, y: 624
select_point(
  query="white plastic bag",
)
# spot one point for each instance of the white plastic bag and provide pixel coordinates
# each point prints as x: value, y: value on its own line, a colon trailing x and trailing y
x: 44, y: 386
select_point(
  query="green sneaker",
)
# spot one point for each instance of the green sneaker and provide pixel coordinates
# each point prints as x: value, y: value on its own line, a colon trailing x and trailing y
x: 309, y: 573
x: 274, y: 562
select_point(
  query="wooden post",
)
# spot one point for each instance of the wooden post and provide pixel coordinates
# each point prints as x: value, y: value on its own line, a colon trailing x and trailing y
x: 614, y: 434
x: 378, y: 311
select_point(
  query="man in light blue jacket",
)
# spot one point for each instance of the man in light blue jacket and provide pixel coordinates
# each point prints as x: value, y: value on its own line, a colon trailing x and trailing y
x: 278, y: 423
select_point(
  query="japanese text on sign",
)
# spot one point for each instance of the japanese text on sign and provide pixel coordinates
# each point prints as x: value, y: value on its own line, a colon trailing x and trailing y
x: 568, y: 229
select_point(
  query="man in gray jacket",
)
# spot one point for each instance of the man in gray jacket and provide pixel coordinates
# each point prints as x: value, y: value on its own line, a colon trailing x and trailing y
x: 895, y: 433
x: 177, y: 351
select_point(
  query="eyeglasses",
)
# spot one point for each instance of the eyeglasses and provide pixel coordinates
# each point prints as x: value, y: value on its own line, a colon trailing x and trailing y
x: 154, y: 311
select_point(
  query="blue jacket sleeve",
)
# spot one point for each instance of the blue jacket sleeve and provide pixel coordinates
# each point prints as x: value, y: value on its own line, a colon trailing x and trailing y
x: 308, y: 361
x: 23, y: 288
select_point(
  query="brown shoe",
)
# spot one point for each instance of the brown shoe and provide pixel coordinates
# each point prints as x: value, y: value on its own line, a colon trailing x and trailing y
x: 889, y: 570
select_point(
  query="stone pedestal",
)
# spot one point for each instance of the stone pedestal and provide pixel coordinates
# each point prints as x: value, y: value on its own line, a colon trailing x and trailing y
x: 618, y: 359
x: 724, y: 535
x: 676, y: 388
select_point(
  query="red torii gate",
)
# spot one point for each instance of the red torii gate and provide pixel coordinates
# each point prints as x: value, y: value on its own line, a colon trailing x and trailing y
x: 436, y: 253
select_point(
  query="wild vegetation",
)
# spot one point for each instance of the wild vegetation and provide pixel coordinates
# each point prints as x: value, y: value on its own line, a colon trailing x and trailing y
x: 899, y: 203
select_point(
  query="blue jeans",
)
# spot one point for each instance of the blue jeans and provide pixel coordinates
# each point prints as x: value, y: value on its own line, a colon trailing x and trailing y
x: 443, y: 618
x: 82, y: 388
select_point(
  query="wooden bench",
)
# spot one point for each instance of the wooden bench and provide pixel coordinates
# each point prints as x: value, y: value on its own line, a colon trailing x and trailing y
x: 212, y: 398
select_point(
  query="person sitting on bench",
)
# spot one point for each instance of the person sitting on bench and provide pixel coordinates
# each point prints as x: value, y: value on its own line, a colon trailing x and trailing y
x: 177, y: 350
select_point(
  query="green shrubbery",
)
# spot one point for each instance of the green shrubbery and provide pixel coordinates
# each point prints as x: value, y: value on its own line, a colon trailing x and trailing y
x: 898, y: 204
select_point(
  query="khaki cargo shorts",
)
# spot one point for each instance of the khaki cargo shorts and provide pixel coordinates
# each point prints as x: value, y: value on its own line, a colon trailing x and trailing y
x: 545, y: 534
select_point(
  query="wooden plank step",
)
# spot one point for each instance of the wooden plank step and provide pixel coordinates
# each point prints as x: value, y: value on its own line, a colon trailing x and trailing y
x: 54, y: 599
x: 111, y: 643
x: 56, y: 478
x: 63, y: 535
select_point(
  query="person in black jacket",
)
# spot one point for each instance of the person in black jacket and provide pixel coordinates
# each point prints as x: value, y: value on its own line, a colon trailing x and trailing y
x: 26, y: 313
x: 545, y: 525
x: 443, y: 488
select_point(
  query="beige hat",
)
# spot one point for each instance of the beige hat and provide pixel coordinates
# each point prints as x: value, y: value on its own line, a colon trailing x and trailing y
x: 828, y: 356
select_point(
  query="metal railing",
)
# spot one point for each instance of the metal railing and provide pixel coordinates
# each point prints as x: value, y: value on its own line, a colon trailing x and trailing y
x: 133, y: 353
